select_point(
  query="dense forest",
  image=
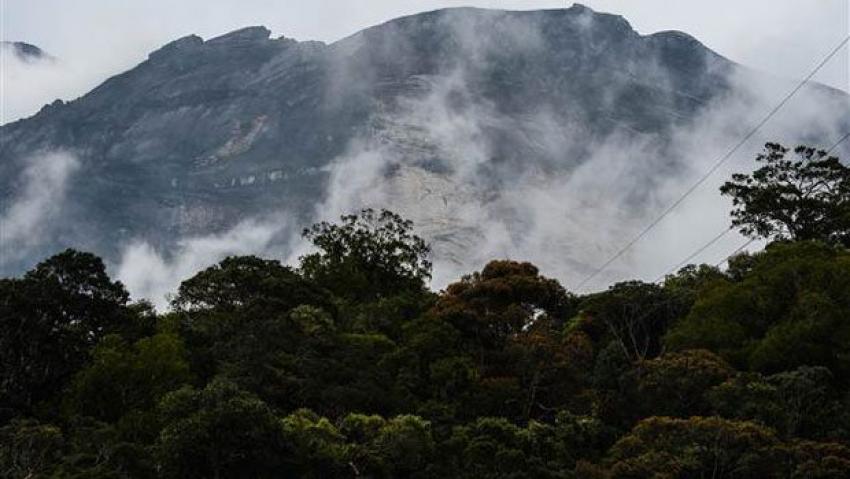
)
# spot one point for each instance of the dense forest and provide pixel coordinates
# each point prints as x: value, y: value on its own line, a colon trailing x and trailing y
x: 347, y: 365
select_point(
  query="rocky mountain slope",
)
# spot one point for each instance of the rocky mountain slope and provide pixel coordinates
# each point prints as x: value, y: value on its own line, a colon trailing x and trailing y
x: 439, y: 115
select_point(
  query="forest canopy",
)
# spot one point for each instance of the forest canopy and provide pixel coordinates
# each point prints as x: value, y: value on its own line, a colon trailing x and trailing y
x: 347, y: 365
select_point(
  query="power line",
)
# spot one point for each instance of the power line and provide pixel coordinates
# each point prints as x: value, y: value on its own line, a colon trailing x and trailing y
x: 653, y: 308
x: 738, y: 250
x: 716, y: 165
x: 695, y: 253
x: 669, y: 301
x: 714, y: 240
x: 846, y: 135
x: 730, y: 228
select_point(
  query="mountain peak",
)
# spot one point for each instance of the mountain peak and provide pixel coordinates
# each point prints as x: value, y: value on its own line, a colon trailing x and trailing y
x: 181, y: 44
x: 588, y: 16
x: 238, y: 39
x: 579, y: 8
x: 243, y: 36
x: 26, y: 51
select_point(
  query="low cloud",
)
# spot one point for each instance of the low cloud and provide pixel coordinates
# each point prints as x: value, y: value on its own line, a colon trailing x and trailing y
x: 36, y: 204
x: 154, y: 275
x: 28, y: 83
x: 574, y: 200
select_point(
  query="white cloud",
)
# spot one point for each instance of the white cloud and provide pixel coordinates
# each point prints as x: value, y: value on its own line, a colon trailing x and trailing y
x: 565, y: 219
x: 36, y: 204
x: 153, y: 275
x: 27, y: 84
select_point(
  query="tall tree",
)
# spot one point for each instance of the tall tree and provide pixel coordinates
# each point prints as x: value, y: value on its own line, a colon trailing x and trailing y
x: 801, y: 198
x: 220, y: 431
x: 368, y: 256
x: 788, y: 310
x: 248, y: 282
x: 634, y: 315
x: 49, y: 321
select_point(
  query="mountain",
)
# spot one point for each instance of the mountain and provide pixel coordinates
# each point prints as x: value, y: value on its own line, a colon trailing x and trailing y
x: 25, y: 52
x: 457, y: 118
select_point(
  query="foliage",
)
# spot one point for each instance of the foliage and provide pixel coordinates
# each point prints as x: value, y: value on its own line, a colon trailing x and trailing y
x: 350, y: 367
x: 248, y: 282
x: 805, y: 198
x: 634, y: 315
x: 676, y: 384
x: 494, y: 339
x: 798, y: 403
x: 505, y: 299
x: 368, y: 256
x: 787, y: 311
x: 29, y: 448
x: 663, y: 447
x: 696, y: 447
x: 49, y: 321
x: 123, y: 378
x: 219, y: 431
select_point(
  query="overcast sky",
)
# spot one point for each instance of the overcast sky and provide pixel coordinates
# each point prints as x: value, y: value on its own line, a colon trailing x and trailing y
x: 784, y: 37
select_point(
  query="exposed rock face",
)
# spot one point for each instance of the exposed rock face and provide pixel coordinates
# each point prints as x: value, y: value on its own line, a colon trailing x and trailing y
x: 206, y: 133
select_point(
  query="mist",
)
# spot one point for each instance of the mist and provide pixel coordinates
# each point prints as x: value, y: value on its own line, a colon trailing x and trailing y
x: 27, y: 220
x: 156, y: 275
x: 568, y: 214
x: 569, y: 202
x: 28, y: 84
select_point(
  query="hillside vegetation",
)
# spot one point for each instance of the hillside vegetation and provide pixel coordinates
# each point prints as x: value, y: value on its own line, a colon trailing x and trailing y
x: 349, y: 366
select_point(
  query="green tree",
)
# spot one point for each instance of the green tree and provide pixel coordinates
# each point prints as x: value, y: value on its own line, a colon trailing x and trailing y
x: 502, y: 301
x: 395, y: 448
x: 29, y: 449
x: 271, y: 355
x: 49, y: 321
x: 351, y: 376
x: 489, y: 447
x: 122, y: 378
x: 662, y: 447
x: 94, y: 449
x: 697, y: 447
x: 248, y: 283
x: 787, y: 310
x: 804, y: 198
x: 686, y: 284
x: 802, y: 402
x: 405, y: 446
x: 818, y: 460
x: 431, y: 369
x: 220, y: 431
x: 508, y: 319
x: 254, y: 321
x: 676, y: 384
x: 319, y: 448
x: 497, y: 448
x: 634, y: 315
x: 368, y: 256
